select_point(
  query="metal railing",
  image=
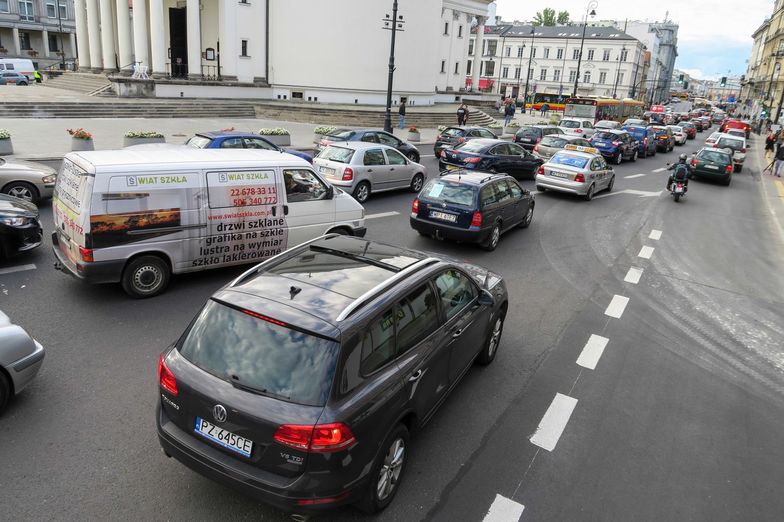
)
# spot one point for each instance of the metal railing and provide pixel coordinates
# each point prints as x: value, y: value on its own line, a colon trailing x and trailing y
x: 209, y: 72
x: 177, y: 70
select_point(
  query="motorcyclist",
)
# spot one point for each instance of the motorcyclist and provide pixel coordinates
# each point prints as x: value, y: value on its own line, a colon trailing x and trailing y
x: 681, y: 172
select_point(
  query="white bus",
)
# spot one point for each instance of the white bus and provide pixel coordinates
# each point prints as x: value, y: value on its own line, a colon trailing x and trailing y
x: 20, y: 65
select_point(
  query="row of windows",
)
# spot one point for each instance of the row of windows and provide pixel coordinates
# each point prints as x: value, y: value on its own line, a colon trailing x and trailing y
x: 490, y: 47
x: 488, y: 69
x: 443, y: 67
x: 27, y: 12
x: 459, y: 30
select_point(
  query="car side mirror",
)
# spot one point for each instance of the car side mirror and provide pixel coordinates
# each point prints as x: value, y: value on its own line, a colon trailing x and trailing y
x: 486, y: 298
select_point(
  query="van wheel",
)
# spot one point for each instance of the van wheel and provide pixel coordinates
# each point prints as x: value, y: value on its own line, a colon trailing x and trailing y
x: 387, y: 472
x: 22, y: 190
x: 145, y: 276
x: 5, y: 391
x: 417, y: 182
x: 362, y: 192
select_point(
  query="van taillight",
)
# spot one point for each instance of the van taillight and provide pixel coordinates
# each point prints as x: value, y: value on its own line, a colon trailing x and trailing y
x: 87, y: 254
x: 579, y: 178
x: 476, y: 219
x: 321, y: 438
x: 348, y: 174
x: 743, y: 150
x: 166, y: 377
x: 415, y: 206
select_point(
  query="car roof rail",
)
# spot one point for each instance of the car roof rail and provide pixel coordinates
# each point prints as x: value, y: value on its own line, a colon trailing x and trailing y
x: 368, y: 296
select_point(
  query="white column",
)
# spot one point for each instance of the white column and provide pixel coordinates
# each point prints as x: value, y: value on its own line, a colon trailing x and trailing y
x: 72, y: 41
x: 82, y: 50
x: 124, y: 34
x: 227, y: 36
x: 141, y: 51
x: 157, y: 40
x: 94, y: 35
x: 45, y: 37
x: 194, y: 39
x: 17, y: 44
x: 107, y: 37
x: 477, y: 64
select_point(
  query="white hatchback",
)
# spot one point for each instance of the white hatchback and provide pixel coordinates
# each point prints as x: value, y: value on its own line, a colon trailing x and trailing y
x: 577, y: 127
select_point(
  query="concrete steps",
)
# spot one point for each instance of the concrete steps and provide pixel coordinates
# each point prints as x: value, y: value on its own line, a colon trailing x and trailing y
x: 133, y: 109
x: 83, y: 83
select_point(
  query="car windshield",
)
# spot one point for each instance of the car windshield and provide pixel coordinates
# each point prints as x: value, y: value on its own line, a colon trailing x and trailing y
x: 452, y: 132
x: 450, y: 192
x: 198, y: 142
x: 553, y: 141
x: 340, y: 135
x: 570, y: 124
x: 605, y: 136
x: 261, y: 354
x: 471, y: 146
x: 571, y: 160
x: 714, y: 156
x: 729, y: 142
x: 338, y: 154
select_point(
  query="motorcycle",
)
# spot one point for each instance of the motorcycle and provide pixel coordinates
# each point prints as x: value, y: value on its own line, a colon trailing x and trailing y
x: 678, y: 190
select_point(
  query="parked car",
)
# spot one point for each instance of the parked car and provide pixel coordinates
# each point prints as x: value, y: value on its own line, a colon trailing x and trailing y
x: 301, y: 381
x: 576, y: 170
x: 490, y: 156
x: 528, y: 136
x: 20, y: 227
x: 239, y: 140
x: 577, y: 127
x: 615, y: 145
x: 678, y: 134
x: 473, y: 207
x: 645, y: 136
x: 665, y: 141
x: 3, y: 80
x: 734, y: 144
x: 689, y: 128
x: 713, y: 163
x: 26, y: 180
x: 555, y: 142
x: 21, y: 357
x: 370, y: 136
x: 453, y: 136
x: 607, y: 125
x: 361, y: 168
x: 15, y: 78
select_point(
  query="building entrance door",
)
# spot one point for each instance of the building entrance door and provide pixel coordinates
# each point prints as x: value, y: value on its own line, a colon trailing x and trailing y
x: 178, y: 42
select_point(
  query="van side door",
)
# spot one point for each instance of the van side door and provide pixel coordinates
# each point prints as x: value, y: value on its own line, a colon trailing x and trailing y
x: 310, y: 204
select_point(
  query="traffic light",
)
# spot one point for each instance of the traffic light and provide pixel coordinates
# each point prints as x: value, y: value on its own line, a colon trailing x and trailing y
x: 685, y: 85
x: 680, y: 79
x: 723, y: 82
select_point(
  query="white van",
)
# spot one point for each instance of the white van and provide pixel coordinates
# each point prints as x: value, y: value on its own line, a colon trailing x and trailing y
x: 137, y: 216
x: 20, y: 65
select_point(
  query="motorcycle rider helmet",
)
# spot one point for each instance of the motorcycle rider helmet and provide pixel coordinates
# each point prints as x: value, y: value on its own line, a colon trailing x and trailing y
x: 682, y: 158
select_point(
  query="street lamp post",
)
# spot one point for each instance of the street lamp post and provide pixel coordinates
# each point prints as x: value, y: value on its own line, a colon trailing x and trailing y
x: 590, y: 10
x: 393, y: 25
x: 618, y: 72
x: 528, y: 72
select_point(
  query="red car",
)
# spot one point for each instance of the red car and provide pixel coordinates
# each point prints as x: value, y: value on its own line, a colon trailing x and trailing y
x: 689, y: 129
x: 735, y: 124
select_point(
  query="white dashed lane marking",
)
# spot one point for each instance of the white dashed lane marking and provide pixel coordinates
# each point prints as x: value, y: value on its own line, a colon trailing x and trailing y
x: 655, y: 234
x: 659, y: 170
x: 646, y: 252
x: 633, y: 275
x: 554, y: 422
x: 504, y: 510
x: 617, y: 306
x: 592, y: 352
x: 381, y: 215
x: 634, y: 176
x: 20, y: 268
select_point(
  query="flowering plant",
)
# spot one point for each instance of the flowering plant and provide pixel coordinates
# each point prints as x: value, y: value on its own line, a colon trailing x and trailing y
x: 5, y: 134
x: 324, y: 130
x: 413, y: 129
x: 80, y: 134
x: 143, y: 134
x: 274, y: 132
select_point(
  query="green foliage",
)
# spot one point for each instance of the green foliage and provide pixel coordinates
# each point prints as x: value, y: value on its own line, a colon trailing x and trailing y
x: 5, y: 134
x: 563, y: 18
x: 143, y: 134
x: 324, y: 129
x: 274, y: 132
x: 545, y: 17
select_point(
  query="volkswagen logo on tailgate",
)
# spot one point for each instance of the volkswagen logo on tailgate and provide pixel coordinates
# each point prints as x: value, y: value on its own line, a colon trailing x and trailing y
x: 219, y: 412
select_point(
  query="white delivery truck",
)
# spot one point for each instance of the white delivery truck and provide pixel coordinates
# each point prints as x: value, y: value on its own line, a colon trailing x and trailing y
x: 20, y: 65
x: 137, y: 216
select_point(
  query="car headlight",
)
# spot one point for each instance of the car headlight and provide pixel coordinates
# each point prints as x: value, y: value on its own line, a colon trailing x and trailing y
x: 15, y: 221
x: 51, y: 178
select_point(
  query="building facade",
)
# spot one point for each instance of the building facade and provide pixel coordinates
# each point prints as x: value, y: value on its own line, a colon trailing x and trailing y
x: 764, y: 83
x: 509, y: 56
x: 40, y: 30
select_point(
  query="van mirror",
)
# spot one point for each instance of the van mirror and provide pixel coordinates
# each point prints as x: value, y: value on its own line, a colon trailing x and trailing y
x: 486, y: 298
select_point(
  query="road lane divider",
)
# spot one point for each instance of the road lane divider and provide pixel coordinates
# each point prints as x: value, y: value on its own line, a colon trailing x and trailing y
x: 592, y: 351
x: 554, y: 422
x: 646, y: 252
x: 659, y: 170
x: 20, y: 268
x: 634, y: 176
x: 382, y: 215
x: 633, y: 275
x: 617, y: 306
x: 655, y: 234
x: 504, y: 510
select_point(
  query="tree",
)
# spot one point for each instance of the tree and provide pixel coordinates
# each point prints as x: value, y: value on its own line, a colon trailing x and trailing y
x: 563, y: 17
x: 545, y: 17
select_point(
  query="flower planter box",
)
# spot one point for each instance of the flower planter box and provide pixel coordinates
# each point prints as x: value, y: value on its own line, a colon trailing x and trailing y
x: 78, y: 144
x: 414, y: 136
x: 6, y: 147
x: 129, y: 142
x: 279, y: 140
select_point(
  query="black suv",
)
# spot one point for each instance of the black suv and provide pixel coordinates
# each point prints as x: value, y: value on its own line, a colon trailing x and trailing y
x: 301, y: 381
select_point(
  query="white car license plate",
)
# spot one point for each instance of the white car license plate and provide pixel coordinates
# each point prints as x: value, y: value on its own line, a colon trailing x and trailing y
x: 678, y: 189
x: 556, y: 174
x: 327, y: 171
x: 712, y: 167
x: 223, y: 437
x: 443, y: 216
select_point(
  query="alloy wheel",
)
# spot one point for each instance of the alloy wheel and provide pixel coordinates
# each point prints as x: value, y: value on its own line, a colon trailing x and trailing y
x: 390, y: 470
x: 21, y: 192
x: 495, y: 338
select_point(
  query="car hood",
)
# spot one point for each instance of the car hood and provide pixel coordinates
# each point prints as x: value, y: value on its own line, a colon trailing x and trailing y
x: 25, y: 166
x: 11, y: 206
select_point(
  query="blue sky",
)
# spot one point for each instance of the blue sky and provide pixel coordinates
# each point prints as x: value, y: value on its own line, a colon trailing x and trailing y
x: 713, y: 37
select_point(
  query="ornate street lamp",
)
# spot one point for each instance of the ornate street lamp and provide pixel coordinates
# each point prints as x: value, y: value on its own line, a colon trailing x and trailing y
x: 590, y: 10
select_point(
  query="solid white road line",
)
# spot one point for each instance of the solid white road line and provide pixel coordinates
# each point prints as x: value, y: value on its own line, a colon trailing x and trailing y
x: 633, y: 275
x: 427, y: 156
x: 504, y: 510
x: 381, y: 215
x: 617, y: 306
x: 659, y: 170
x: 646, y: 252
x: 20, y: 268
x: 655, y: 234
x: 592, y: 351
x: 554, y: 422
x: 634, y: 176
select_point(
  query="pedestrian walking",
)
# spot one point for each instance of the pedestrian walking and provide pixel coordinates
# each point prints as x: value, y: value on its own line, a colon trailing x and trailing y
x: 545, y: 108
x: 402, y: 113
x: 462, y: 114
x: 779, y: 161
x: 770, y: 141
x: 509, y: 113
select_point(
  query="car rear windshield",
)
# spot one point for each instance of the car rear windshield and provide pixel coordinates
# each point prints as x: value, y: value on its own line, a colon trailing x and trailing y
x: 260, y: 355
x: 339, y: 154
x: 529, y: 132
x: 729, y: 142
x: 605, y: 136
x: 450, y: 192
x: 452, y: 132
x: 198, y: 142
x: 637, y: 132
x: 714, y: 156
x: 553, y: 141
x: 471, y: 146
x: 571, y: 124
x: 571, y: 160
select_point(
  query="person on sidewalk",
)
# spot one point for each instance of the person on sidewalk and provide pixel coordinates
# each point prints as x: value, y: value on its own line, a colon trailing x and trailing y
x: 509, y: 113
x: 545, y: 109
x: 779, y: 161
x: 462, y: 114
x: 770, y: 141
x: 402, y: 113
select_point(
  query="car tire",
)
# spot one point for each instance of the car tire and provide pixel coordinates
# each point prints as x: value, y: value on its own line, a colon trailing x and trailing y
x: 589, y: 195
x: 387, y: 470
x: 645, y: 153
x: 22, y: 190
x: 146, y: 276
x: 494, y: 238
x: 362, y: 192
x: 737, y: 168
x: 413, y: 156
x: 22, y: 83
x: 493, y: 340
x: 540, y: 188
x: 5, y: 391
x: 619, y: 159
x: 611, y: 184
x: 634, y: 156
x: 416, y: 183
x: 529, y: 216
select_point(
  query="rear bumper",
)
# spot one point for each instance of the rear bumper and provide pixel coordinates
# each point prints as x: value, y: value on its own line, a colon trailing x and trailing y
x: 95, y: 272
x: 444, y: 231
x: 562, y: 185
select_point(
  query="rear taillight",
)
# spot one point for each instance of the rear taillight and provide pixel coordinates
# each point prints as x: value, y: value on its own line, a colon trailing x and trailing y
x: 474, y: 160
x: 540, y: 170
x: 443, y: 154
x: 476, y: 219
x: 438, y: 138
x: 321, y: 438
x: 728, y: 169
x: 348, y: 174
x: 616, y: 143
x: 87, y: 254
x: 645, y: 141
x: 165, y: 377
x: 743, y: 150
x: 694, y: 163
x: 578, y: 131
x: 536, y: 148
x: 461, y: 140
x: 415, y: 206
x: 579, y: 178
x: 323, y: 142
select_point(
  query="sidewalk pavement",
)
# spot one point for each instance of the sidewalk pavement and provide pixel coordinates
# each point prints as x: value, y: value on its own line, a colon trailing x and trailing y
x: 772, y: 188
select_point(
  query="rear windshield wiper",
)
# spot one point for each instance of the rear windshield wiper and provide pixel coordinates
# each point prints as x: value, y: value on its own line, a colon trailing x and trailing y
x: 235, y: 381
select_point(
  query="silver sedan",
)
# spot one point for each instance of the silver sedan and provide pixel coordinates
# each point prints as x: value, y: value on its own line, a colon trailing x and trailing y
x: 26, y: 180
x: 21, y: 357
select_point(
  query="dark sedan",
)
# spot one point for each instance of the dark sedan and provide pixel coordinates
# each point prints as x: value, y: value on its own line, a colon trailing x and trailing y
x: 615, y: 145
x: 665, y: 140
x: 20, y: 229
x: 490, y: 156
x: 370, y: 136
x: 697, y: 124
x: 239, y: 140
x: 454, y: 136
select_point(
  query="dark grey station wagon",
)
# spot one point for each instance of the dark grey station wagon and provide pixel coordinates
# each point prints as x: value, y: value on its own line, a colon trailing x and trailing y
x: 301, y: 381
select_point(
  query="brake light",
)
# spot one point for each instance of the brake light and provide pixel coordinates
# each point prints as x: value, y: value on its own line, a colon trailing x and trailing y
x: 728, y: 169
x: 265, y: 318
x: 694, y: 163
x: 645, y: 141
x: 415, y: 206
x: 536, y: 148
x: 438, y: 137
x: 323, y: 142
x: 743, y: 150
x: 540, y: 170
x: 579, y: 178
x: 321, y: 438
x: 348, y: 174
x: 474, y: 160
x: 165, y: 377
x: 578, y: 131
x: 461, y: 140
x: 442, y: 154
x: 476, y: 219
x: 616, y: 143
x: 87, y: 254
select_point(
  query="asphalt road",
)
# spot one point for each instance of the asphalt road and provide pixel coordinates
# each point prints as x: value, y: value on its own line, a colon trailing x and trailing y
x: 681, y: 417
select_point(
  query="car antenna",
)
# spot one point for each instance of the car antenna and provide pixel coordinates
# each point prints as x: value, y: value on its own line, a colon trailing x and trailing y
x: 294, y: 290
